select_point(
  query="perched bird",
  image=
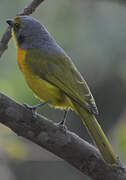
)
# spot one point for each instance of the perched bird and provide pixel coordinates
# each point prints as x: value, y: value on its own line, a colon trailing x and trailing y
x: 53, y: 77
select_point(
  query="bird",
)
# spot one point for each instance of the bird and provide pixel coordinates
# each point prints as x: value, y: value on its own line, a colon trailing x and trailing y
x: 54, y: 79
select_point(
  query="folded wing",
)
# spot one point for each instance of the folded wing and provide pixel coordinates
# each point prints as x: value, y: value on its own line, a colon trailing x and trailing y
x: 58, y: 70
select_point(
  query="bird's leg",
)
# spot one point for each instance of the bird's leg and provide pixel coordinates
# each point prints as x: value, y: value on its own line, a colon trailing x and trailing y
x: 35, y: 107
x: 62, y: 122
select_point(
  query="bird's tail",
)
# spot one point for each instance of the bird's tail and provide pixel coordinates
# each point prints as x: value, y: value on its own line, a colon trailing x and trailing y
x: 97, y: 134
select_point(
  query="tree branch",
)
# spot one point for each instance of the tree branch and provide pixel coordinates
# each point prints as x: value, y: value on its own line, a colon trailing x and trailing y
x: 64, y: 144
x: 7, y: 35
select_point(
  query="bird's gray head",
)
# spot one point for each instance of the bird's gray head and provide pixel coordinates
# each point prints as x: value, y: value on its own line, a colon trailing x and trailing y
x: 29, y: 33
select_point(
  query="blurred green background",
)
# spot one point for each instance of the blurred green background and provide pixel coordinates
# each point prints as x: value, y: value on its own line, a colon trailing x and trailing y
x: 93, y: 33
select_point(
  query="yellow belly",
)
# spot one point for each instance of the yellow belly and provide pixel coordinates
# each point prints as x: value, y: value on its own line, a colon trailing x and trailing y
x: 41, y: 88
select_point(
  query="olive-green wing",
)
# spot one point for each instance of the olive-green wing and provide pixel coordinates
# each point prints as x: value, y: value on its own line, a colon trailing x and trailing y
x: 58, y: 70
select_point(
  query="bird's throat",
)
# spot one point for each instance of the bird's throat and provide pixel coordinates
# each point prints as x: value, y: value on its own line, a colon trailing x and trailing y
x: 21, y: 58
x: 14, y: 37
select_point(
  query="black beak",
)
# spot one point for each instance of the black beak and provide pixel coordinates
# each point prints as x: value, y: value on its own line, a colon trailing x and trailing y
x: 10, y: 22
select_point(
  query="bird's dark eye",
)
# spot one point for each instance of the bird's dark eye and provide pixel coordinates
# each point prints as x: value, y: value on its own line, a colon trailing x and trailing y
x: 16, y: 26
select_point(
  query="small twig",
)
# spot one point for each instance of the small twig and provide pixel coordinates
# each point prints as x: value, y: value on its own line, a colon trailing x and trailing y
x: 7, y: 35
x: 30, y: 8
x: 4, y: 41
x: 63, y: 143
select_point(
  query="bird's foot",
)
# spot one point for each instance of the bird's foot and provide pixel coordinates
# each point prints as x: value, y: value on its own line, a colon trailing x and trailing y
x: 32, y: 109
x: 35, y: 107
x: 61, y: 124
x: 119, y: 161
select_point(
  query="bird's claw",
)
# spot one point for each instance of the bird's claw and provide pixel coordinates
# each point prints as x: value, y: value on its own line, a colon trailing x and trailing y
x: 61, y: 125
x: 29, y: 107
x: 32, y: 109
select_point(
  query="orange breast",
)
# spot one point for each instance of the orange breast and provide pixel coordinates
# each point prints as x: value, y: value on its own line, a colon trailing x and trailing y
x: 21, y: 58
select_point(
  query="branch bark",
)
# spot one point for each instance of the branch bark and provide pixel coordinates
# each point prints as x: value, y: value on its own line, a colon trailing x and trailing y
x: 7, y: 35
x: 62, y: 143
